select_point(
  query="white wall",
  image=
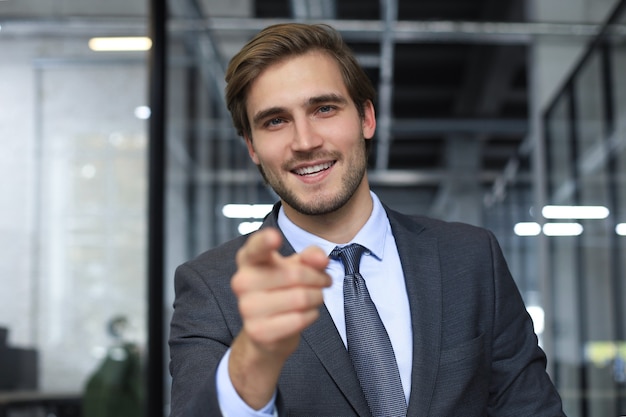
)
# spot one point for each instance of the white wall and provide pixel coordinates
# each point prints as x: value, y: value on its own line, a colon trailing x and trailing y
x: 17, y: 172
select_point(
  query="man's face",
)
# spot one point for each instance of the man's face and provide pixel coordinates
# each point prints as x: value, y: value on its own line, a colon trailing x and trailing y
x: 308, y: 139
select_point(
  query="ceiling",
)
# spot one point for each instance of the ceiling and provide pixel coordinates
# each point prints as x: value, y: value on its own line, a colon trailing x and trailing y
x: 452, y: 110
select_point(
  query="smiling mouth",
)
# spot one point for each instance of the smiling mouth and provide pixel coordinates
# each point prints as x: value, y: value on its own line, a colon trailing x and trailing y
x: 314, y: 169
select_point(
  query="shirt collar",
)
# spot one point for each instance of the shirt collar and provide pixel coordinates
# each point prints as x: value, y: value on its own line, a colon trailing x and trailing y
x: 372, y: 235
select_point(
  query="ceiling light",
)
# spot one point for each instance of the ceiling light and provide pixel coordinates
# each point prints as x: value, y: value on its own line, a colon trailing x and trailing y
x: 562, y: 229
x: 248, y: 227
x: 135, y: 43
x: 620, y: 229
x: 575, y: 212
x: 142, y: 112
x: 527, y: 229
x: 246, y: 211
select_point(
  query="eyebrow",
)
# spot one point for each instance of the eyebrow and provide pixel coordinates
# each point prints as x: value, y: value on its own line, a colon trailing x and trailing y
x: 273, y: 111
x: 328, y: 98
x: 267, y: 113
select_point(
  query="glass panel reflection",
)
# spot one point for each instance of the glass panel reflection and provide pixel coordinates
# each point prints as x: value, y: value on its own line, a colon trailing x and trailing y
x: 77, y: 155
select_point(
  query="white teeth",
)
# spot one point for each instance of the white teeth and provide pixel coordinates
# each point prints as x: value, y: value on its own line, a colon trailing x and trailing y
x: 313, y: 169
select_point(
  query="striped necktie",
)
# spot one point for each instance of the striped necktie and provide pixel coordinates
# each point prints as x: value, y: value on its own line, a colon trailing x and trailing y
x: 369, y: 346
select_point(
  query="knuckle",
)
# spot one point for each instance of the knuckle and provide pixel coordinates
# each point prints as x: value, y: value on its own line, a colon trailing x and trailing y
x: 298, y: 299
x: 245, y: 309
x: 240, y: 255
x: 304, y: 299
x: 236, y: 283
x: 292, y: 276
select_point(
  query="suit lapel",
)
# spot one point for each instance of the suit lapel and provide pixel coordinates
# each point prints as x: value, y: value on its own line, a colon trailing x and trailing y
x: 420, y: 262
x: 324, y: 340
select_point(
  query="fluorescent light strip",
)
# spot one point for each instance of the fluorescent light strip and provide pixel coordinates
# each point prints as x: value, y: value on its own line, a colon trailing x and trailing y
x: 575, y: 212
x: 527, y: 229
x: 248, y: 227
x: 620, y: 229
x: 246, y: 211
x: 563, y: 229
x: 135, y: 43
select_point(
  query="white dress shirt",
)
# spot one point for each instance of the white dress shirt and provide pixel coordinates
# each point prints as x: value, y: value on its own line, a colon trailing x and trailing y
x: 382, y: 271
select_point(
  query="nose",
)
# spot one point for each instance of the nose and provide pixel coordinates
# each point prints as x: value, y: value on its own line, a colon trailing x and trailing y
x: 306, y: 137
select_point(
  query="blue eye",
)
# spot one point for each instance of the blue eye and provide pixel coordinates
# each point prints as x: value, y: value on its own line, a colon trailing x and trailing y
x: 274, y: 122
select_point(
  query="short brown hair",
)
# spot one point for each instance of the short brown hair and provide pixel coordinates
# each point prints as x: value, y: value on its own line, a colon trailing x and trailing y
x: 278, y: 42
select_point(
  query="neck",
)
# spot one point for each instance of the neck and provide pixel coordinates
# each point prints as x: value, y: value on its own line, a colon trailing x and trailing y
x: 339, y: 226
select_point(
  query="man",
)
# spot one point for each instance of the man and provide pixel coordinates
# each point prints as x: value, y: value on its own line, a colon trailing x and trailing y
x: 260, y: 325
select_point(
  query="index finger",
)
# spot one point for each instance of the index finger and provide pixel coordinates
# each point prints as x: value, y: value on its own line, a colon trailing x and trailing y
x: 259, y: 247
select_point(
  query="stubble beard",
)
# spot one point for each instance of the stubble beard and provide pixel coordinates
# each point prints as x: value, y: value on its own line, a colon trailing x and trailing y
x: 320, y: 204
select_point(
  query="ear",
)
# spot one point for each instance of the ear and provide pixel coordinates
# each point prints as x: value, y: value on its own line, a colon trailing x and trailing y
x: 369, y: 120
x: 251, y: 150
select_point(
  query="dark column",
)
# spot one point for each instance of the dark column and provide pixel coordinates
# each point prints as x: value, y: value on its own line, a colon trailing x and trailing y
x: 155, y: 385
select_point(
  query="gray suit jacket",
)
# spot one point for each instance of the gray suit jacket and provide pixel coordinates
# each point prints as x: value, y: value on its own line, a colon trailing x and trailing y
x: 474, y: 349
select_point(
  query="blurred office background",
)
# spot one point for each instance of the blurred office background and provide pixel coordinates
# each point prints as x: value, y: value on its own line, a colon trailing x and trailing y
x: 117, y: 165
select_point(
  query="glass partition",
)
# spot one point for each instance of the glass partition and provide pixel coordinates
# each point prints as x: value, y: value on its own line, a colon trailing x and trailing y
x: 564, y: 274
x: 73, y: 278
x: 617, y: 192
x: 585, y: 137
x: 595, y: 254
x: 91, y: 215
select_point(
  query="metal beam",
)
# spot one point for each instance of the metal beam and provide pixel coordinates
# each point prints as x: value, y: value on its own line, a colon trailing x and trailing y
x: 353, y: 30
x: 411, y: 128
x: 416, y: 129
x: 313, y: 9
x: 389, y: 10
x: 389, y: 178
x: 415, y: 31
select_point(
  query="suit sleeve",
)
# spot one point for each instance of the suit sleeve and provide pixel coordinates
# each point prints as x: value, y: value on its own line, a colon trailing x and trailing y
x: 199, y: 337
x: 519, y: 384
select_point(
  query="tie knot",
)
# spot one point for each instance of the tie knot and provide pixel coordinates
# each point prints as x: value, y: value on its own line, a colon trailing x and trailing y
x: 350, y: 256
